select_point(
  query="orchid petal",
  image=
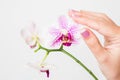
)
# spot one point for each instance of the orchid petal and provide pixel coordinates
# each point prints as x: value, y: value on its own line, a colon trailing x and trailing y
x: 54, y: 31
x: 25, y: 33
x: 65, y: 34
x: 73, y: 29
x: 32, y: 28
x: 63, y: 22
x: 30, y: 35
x: 57, y: 40
x: 46, y: 71
x: 29, y: 31
x: 43, y: 68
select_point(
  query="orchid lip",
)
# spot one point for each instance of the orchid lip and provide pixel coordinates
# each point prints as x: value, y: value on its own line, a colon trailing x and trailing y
x: 46, y: 71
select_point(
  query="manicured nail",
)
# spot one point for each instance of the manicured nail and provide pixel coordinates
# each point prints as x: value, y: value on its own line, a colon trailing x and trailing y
x: 85, y: 33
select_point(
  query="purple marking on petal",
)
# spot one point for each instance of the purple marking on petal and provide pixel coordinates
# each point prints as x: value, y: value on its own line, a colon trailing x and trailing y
x: 57, y: 40
x: 54, y: 31
x: 63, y: 22
x: 34, y: 45
x: 46, y: 71
x: 73, y: 29
x: 67, y: 44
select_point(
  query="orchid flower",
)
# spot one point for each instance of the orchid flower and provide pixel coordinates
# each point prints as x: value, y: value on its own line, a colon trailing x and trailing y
x: 30, y: 35
x: 43, y: 68
x: 65, y: 36
x: 65, y: 33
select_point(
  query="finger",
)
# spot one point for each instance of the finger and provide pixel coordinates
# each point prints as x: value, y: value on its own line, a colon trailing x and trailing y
x: 81, y: 18
x: 94, y: 44
x: 100, y: 24
x: 84, y: 20
x: 89, y: 14
x: 84, y: 13
x: 93, y: 14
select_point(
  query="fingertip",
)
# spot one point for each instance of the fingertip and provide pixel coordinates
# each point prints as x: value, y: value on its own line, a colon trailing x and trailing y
x: 85, y: 33
x: 73, y: 13
x: 70, y: 12
x: 93, y: 43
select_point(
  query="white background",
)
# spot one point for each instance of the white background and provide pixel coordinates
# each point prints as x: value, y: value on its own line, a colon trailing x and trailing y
x: 15, y: 54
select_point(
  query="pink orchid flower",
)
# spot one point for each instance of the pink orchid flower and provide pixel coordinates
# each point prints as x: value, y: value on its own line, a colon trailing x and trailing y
x: 30, y: 35
x: 65, y: 33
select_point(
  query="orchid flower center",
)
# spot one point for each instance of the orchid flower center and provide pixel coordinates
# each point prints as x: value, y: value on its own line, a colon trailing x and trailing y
x: 65, y: 36
x: 66, y: 39
x: 64, y: 31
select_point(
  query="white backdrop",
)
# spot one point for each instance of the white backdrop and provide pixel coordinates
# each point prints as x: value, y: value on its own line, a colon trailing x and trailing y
x: 15, y: 54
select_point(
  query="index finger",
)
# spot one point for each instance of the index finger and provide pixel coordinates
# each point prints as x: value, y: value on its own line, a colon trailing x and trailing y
x: 102, y: 24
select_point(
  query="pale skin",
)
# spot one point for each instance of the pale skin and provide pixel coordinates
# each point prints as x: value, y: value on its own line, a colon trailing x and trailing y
x: 107, y: 55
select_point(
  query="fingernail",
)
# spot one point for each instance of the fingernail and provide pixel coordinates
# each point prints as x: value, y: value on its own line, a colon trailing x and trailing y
x: 73, y: 13
x: 85, y: 33
x: 70, y: 13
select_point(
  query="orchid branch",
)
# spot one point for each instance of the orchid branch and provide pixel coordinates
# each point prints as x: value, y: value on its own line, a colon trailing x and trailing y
x: 80, y: 63
x: 64, y: 36
x: 68, y: 54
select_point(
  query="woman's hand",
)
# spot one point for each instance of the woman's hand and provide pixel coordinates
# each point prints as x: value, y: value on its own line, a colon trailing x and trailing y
x: 108, y: 56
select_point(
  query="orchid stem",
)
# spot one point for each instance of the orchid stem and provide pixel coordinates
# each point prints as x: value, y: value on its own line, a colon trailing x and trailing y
x: 67, y: 53
x: 80, y: 63
x: 45, y: 57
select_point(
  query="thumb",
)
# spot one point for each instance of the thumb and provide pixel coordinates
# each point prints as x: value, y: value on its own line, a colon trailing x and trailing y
x: 93, y: 44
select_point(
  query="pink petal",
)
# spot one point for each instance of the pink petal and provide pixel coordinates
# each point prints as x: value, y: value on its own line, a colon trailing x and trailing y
x: 73, y: 29
x: 63, y: 22
x: 54, y: 31
x: 57, y: 40
x: 75, y: 41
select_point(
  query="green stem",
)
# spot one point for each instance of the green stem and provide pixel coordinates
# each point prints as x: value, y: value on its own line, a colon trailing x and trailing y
x: 67, y: 53
x: 45, y: 57
x: 80, y: 63
x: 48, y: 50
